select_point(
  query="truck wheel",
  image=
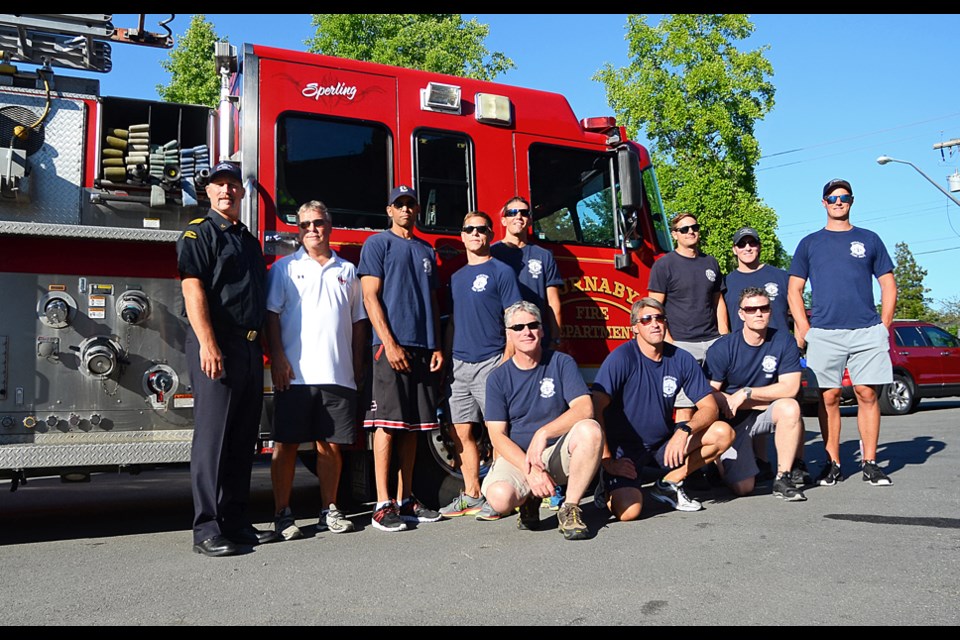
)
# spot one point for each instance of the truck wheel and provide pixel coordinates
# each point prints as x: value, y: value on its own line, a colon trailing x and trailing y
x: 898, y: 398
x: 436, y: 479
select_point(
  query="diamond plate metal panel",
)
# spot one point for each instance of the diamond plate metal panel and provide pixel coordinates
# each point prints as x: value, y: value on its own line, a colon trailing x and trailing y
x: 95, y: 449
x: 91, y: 233
x: 56, y: 168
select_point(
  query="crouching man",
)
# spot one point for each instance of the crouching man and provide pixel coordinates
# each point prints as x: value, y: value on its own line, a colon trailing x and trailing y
x: 756, y: 376
x: 540, y: 418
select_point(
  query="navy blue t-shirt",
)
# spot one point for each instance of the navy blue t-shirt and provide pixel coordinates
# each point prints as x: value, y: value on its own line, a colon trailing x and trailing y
x: 737, y: 364
x: 535, y: 270
x: 528, y: 399
x: 642, y: 394
x: 772, y: 280
x: 408, y: 271
x: 841, y: 267
x: 480, y: 294
x: 690, y: 285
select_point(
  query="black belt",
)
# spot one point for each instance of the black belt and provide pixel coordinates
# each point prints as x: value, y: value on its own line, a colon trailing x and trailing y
x: 247, y: 334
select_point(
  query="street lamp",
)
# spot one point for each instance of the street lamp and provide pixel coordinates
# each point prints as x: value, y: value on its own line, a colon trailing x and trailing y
x: 887, y: 159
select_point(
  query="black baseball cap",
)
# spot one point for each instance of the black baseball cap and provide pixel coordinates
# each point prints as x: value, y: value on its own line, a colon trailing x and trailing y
x: 226, y: 168
x: 745, y: 232
x: 836, y: 183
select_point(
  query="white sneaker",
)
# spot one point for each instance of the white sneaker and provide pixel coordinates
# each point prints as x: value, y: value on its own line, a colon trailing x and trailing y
x: 332, y: 519
x: 673, y: 494
x: 285, y: 525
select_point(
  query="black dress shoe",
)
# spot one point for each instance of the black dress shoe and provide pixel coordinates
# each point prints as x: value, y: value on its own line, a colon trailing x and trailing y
x: 215, y: 547
x: 250, y: 535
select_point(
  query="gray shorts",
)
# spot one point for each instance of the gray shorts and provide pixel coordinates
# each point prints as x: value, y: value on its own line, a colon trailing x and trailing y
x: 556, y: 460
x: 312, y: 412
x: 864, y: 352
x: 699, y: 351
x: 738, y: 461
x: 468, y: 389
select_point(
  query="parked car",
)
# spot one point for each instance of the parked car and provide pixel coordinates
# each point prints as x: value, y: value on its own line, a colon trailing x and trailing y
x: 926, y: 364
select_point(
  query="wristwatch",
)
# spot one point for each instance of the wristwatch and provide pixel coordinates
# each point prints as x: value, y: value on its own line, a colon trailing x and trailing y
x: 747, y: 391
x: 685, y: 428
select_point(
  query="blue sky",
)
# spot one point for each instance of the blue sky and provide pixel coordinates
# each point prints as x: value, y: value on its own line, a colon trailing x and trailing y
x: 849, y: 89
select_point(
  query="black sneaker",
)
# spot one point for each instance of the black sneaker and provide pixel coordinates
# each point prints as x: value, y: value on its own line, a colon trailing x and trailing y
x: 783, y: 487
x: 873, y: 474
x: 413, y: 511
x: 830, y: 475
x: 799, y: 474
x: 387, y: 518
x: 529, y: 519
x: 672, y: 494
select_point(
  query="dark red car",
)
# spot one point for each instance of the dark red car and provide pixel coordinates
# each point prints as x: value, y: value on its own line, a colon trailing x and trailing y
x: 926, y: 364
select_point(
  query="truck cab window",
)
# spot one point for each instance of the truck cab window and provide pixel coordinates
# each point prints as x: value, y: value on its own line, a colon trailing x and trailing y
x: 444, y: 173
x: 573, y: 195
x: 346, y: 164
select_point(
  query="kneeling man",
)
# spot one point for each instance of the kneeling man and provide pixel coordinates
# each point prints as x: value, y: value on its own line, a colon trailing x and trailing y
x: 756, y: 376
x: 633, y: 396
x: 540, y: 419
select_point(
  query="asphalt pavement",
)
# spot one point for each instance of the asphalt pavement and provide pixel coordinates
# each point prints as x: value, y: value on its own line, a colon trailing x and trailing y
x: 117, y: 551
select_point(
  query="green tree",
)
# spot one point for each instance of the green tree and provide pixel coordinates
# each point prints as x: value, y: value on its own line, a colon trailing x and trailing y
x: 948, y: 314
x: 912, y: 300
x: 440, y: 42
x: 698, y: 99
x: 194, y: 77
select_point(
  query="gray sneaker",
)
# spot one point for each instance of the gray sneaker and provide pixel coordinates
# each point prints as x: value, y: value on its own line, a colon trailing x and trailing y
x: 571, y: 522
x: 463, y: 505
x: 285, y: 526
x: 333, y: 520
x: 488, y: 514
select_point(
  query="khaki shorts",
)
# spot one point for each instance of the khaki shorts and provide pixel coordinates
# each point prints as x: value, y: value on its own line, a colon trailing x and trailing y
x: 556, y: 460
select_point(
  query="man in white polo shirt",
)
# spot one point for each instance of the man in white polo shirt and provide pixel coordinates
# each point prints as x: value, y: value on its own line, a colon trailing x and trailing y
x: 316, y: 328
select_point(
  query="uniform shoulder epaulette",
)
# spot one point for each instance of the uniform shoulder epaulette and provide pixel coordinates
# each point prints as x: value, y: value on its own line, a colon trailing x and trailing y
x: 198, y: 220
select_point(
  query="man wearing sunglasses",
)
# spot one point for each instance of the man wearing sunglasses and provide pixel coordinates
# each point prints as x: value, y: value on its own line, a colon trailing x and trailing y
x: 534, y: 266
x: 845, y: 331
x: 481, y: 290
x: 633, y: 398
x: 398, y: 275
x: 316, y: 331
x: 540, y: 419
x: 689, y: 284
x: 223, y: 277
x: 755, y: 373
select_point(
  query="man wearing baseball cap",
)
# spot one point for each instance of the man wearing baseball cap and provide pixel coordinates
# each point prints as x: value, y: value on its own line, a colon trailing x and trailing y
x: 845, y: 330
x: 398, y: 275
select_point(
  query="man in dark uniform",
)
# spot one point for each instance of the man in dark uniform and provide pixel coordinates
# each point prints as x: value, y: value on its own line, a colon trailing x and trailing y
x: 223, y: 278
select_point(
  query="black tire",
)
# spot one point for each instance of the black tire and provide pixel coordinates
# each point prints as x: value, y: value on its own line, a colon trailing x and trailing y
x: 809, y: 409
x: 898, y: 398
x: 436, y: 479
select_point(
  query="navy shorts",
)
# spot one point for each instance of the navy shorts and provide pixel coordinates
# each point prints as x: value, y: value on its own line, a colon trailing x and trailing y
x: 312, y: 412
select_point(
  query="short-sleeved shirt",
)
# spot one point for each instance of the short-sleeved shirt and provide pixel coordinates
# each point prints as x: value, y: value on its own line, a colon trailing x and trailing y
x: 528, y: 399
x: 690, y: 285
x: 229, y: 262
x: 736, y: 364
x: 408, y: 273
x: 480, y: 294
x: 772, y: 280
x: 318, y: 306
x: 535, y: 269
x: 841, y: 267
x: 643, y: 392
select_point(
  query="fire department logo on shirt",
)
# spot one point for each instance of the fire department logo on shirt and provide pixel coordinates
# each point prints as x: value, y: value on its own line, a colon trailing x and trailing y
x: 547, y: 388
x: 480, y: 283
x: 669, y: 386
x: 427, y: 266
x: 857, y: 250
x: 535, y: 267
x: 711, y: 275
x: 772, y: 289
x: 769, y: 364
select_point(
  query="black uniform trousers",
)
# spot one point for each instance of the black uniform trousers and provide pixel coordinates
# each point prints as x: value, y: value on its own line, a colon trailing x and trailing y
x: 226, y: 415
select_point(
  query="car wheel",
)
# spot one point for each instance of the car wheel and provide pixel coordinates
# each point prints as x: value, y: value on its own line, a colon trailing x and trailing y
x: 897, y: 398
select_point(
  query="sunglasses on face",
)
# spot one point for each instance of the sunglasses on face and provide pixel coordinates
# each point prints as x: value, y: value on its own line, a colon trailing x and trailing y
x: 845, y: 199
x: 482, y: 229
x: 509, y: 213
x: 747, y: 242
x: 319, y: 222
x: 647, y: 319
x: 764, y: 308
x: 533, y: 326
x: 690, y: 227
x: 400, y: 204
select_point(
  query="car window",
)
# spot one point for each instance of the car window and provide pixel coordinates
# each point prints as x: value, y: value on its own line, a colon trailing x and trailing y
x: 939, y: 338
x: 908, y: 337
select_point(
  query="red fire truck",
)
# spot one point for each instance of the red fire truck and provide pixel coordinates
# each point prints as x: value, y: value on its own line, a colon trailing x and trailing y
x: 94, y: 191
